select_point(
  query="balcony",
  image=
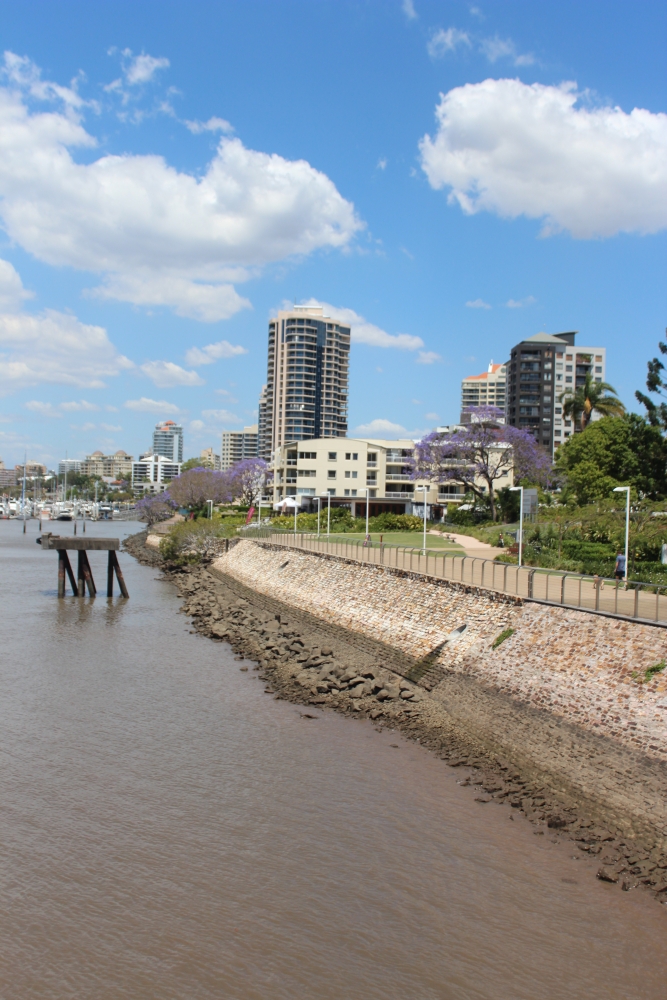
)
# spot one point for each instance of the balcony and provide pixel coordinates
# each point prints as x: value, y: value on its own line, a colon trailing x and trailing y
x: 397, y: 477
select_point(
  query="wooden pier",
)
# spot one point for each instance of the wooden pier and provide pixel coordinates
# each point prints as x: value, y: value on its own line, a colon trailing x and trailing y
x: 84, y: 576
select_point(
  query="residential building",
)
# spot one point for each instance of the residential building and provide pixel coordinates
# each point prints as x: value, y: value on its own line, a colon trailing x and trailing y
x: 212, y: 460
x: 33, y: 470
x: 153, y: 473
x: 114, y: 467
x: 263, y: 428
x: 168, y: 440
x: 67, y: 465
x: 7, y: 476
x: 307, y: 378
x: 237, y: 445
x: 487, y: 389
x: 343, y: 469
x: 540, y: 370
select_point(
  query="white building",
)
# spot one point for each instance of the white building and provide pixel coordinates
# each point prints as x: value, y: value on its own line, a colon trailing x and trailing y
x: 68, y: 465
x: 168, y: 440
x: 237, y: 445
x: 487, y: 389
x: 153, y: 473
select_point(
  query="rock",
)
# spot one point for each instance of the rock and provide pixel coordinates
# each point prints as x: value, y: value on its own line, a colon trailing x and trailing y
x: 483, y: 798
x: 325, y: 651
x: 406, y: 694
x: 357, y: 691
x: 556, y: 822
x: 376, y: 713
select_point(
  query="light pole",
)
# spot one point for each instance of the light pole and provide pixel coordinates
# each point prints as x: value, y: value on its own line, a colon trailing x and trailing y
x: 295, y: 517
x: 368, y: 496
x: 259, y: 509
x: 210, y: 503
x: 515, y: 489
x: 626, y: 490
x: 319, y: 511
x: 425, y: 489
x: 328, y: 514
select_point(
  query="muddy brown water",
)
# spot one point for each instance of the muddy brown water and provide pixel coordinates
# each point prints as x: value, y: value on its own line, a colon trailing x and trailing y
x: 170, y: 831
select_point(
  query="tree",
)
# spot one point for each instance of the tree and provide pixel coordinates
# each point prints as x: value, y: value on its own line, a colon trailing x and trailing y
x: 655, y: 412
x: 612, y: 451
x: 195, y: 487
x: 156, y: 508
x: 592, y: 396
x: 480, y: 454
x: 195, y: 463
x: 248, y: 479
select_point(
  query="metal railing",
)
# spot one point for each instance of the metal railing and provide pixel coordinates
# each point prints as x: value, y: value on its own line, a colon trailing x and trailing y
x: 645, y: 602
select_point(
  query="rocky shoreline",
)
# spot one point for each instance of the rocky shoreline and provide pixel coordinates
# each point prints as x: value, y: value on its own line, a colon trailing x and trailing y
x: 313, y: 663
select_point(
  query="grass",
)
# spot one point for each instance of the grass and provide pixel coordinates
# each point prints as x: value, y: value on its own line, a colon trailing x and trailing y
x: 414, y: 539
x: 501, y: 638
x: 650, y: 672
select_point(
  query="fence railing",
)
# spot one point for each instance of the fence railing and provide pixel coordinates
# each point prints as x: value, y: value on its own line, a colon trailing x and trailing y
x: 645, y: 602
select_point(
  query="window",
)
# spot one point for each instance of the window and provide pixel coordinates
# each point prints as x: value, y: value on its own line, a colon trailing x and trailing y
x: 347, y: 493
x: 348, y: 456
x: 331, y: 474
x: 598, y: 369
x: 347, y: 473
x: 354, y: 493
x: 598, y: 357
x: 333, y: 455
x: 331, y: 493
x: 354, y: 475
x: 568, y: 368
x: 309, y: 473
x: 558, y: 409
x: 372, y: 456
x: 351, y: 456
x: 568, y: 378
x: 307, y: 454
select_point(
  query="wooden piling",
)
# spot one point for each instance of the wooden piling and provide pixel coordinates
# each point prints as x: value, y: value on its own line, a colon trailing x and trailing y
x: 84, y: 571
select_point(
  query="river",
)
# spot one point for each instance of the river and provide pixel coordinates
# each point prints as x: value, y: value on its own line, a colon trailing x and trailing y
x: 171, y: 831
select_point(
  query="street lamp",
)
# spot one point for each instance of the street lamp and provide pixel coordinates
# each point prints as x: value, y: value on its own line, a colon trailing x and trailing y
x: 368, y: 495
x: 515, y: 489
x: 295, y: 517
x: 328, y: 514
x: 625, y: 489
x: 425, y: 489
x: 210, y: 514
x: 319, y: 510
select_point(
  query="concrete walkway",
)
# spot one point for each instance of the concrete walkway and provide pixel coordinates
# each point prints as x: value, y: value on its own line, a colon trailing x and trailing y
x: 472, y: 546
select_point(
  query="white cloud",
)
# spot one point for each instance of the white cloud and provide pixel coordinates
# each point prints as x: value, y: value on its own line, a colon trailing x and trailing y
x: 521, y: 303
x: 381, y: 428
x: 22, y: 73
x: 221, y: 417
x: 409, y: 9
x: 476, y: 12
x: 506, y: 147
x: 55, y: 347
x: 197, y: 425
x: 212, y: 125
x: 166, y: 374
x: 142, y: 69
x: 157, y: 235
x: 46, y: 410
x: 228, y: 396
x: 432, y: 416
x: 477, y: 304
x: 382, y: 163
x: 111, y: 427
x: 213, y: 352
x: 363, y: 332
x: 12, y: 292
x: 159, y: 406
x: 82, y: 404
x: 427, y: 358
x: 443, y: 41
x: 504, y: 48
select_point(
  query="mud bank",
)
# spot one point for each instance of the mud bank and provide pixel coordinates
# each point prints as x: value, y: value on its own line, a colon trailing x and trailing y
x: 605, y: 797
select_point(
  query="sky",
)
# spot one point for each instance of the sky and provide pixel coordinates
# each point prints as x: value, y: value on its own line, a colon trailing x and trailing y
x: 450, y: 177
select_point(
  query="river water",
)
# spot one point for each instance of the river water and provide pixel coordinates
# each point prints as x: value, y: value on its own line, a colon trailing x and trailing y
x: 170, y: 831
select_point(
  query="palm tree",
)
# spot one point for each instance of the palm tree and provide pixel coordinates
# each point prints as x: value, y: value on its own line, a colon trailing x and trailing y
x: 598, y: 396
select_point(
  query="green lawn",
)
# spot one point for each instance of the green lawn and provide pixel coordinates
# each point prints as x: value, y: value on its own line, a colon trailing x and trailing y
x: 412, y: 538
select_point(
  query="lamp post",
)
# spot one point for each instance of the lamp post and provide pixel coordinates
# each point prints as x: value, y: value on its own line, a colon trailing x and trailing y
x: 210, y: 514
x: 515, y: 489
x: 295, y: 517
x: 626, y: 490
x: 368, y: 496
x: 319, y: 511
x: 259, y: 509
x: 328, y: 514
x: 425, y: 489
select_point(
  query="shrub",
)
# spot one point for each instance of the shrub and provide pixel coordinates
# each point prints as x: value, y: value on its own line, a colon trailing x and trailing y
x: 192, y: 541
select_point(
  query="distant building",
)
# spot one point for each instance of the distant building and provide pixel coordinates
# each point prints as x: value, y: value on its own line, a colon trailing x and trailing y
x: 153, y: 473
x: 116, y: 466
x: 487, y: 389
x: 263, y: 428
x: 7, y: 476
x: 209, y: 456
x: 541, y: 370
x: 168, y: 440
x: 33, y: 470
x: 68, y: 465
x: 307, y: 378
x: 237, y: 445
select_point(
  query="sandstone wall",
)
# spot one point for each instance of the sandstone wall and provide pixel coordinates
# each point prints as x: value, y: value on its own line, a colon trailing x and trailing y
x: 576, y: 664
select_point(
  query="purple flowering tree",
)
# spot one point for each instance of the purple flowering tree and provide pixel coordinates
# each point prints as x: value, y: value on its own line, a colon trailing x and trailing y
x: 479, y: 454
x: 248, y: 479
x: 194, y: 488
x: 156, y: 508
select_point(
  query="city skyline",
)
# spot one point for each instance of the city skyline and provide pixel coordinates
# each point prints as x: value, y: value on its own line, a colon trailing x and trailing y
x: 367, y: 194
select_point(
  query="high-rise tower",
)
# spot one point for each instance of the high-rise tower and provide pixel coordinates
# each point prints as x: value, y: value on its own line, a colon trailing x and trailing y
x: 168, y: 440
x: 307, y: 379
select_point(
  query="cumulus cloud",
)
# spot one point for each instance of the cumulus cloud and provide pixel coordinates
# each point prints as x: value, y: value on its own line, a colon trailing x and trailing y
x: 157, y: 235
x: 75, y: 406
x: 477, y: 304
x: 409, y: 9
x: 221, y: 417
x: 521, y: 303
x: 515, y: 149
x: 427, y: 358
x: 46, y: 410
x: 363, y: 332
x: 213, y: 352
x: 166, y: 374
x: 142, y: 69
x: 212, y: 125
x: 22, y: 73
x: 504, y: 48
x: 55, y: 347
x: 197, y: 425
x: 12, y: 292
x: 381, y: 428
x: 159, y: 406
x: 447, y: 40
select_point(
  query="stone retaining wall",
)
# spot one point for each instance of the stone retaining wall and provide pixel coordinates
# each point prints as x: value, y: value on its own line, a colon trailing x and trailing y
x: 575, y: 664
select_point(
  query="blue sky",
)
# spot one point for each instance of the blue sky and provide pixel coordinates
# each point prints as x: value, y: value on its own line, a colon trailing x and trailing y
x: 451, y: 176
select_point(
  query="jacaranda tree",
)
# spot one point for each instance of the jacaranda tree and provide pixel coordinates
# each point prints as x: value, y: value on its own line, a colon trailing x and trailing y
x: 194, y: 488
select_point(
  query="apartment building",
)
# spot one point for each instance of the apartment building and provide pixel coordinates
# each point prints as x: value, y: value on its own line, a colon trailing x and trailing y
x: 307, y: 379
x: 212, y: 460
x: 33, y: 470
x: 153, y: 473
x: 345, y: 468
x: 487, y: 389
x: 168, y: 440
x: 116, y: 466
x: 263, y: 427
x: 237, y: 445
x: 67, y: 465
x: 541, y: 369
